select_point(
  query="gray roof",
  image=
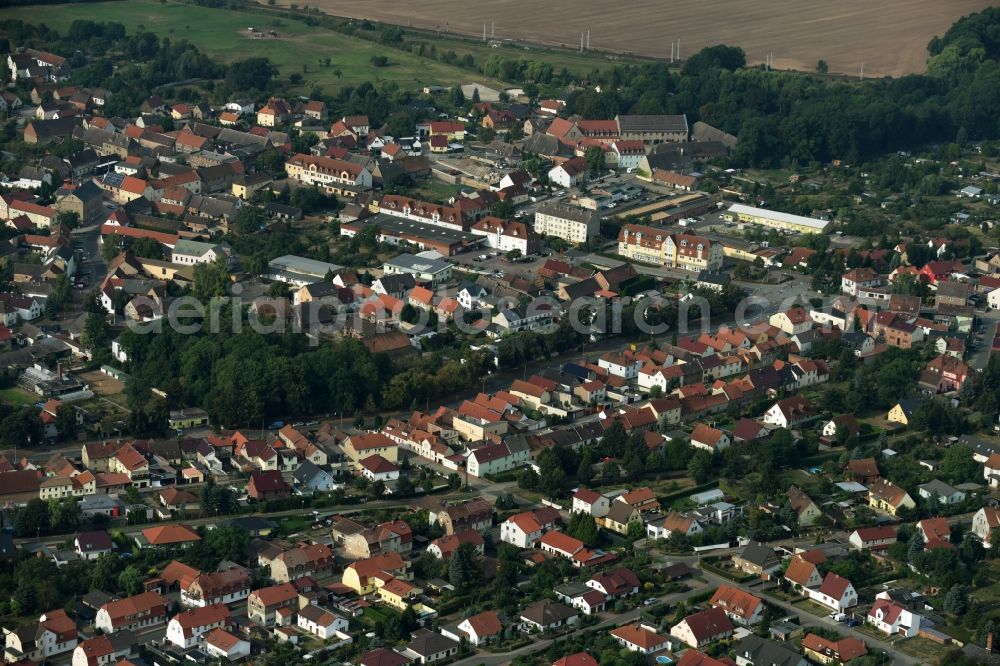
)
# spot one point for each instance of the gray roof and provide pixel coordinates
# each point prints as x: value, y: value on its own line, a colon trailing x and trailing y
x: 194, y: 248
x: 566, y: 212
x: 547, y: 612
x: 761, y: 652
x: 416, y: 264
x: 430, y: 643
x: 653, y: 123
x: 294, y: 264
x: 759, y: 554
x: 938, y: 486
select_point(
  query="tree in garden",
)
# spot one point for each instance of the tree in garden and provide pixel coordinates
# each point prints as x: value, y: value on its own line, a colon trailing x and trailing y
x: 956, y: 601
x: 464, y: 568
x: 583, y: 527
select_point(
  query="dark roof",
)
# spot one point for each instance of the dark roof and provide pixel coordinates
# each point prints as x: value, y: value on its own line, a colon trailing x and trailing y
x: 759, y: 554
x: 760, y: 651
x: 426, y: 643
x: 547, y: 612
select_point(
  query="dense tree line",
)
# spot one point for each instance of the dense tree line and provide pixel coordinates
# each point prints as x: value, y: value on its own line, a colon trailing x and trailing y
x: 787, y: 117
x: 242, y: 378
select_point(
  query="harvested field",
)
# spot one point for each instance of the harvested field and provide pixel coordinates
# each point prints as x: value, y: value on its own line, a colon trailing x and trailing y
x: 889, y: 40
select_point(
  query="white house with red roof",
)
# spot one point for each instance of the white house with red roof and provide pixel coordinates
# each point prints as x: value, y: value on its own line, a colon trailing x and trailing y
x: 640, y: 638
x: 53, y: 634
x: 615, y: 584
x: 836, y: 593
x: 892, y: 618
x: 873, y: 538
x: 477, y: 629
x: 590, y: 502
x: 377, y: 468
x: 792, y: 321
x: 708, y: 438
x: 222, y: 644
x: 674, y: 522
x: 935, y: 532
x: 525, y: 529
x: 741, y: 607
x: 700, y: 629
x: 985, y: 523
x: 570, y: 172
x: 186, y: 629
x: 444, y: 547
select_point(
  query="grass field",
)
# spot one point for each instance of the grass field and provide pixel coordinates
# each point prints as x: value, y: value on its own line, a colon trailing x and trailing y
x: 223, y: 34
x: 889, y: 40
x: 18, y: 397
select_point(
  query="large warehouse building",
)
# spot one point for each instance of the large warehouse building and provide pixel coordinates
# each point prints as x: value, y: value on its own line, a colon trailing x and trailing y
x: 775, y: 219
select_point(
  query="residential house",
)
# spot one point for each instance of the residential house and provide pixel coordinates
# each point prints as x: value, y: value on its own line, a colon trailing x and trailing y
x: 91, y: 545
x: 756, y: 558
x: 944, y: 373
x: 803, y: 570
x: 305, y: 560
x: 887, y: 496
x: 167, y: 536
x: 935, y: 532
x: 135, y: 613
x: 185, y: 630
x: 273, y: 605
x: 833, y: 653
x: 615, y: 584
x: 873, y: 538
x: 674, y: 523
x: 444, y: 547
x: 640, y: 638
x: 836, y: 593
x: 53, y: 634
x: 704, y: 627
x: 590, y: 502
x: 946, y: 494
x: 708, y: 438
x: 545, y: 614
x: 427, y: 647
x: 620, y: 517
x: 475, y: 514
x: 223, y: 645
x: 789, y: 412
x: 219, y: 587
x: 320, y: 622
x: 361, y: 576
x: 985, y: 523
x: 741, y: 607
x: 805, y: 508
x: 525, y: 529
x: 104, y: 650
x: 753, y: 650
x: 476, y: 629
x: 893, y: 618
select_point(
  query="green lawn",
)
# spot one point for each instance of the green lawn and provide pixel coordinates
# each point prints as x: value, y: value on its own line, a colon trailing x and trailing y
x: 223, y: 34
x: 18, y: 397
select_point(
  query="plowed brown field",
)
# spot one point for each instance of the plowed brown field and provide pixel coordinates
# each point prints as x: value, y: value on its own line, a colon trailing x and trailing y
x: 888, y: 37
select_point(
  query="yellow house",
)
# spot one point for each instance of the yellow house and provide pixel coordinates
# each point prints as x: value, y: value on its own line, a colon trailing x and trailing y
x: 363, y: 576
x: 190, y: 417
x: 359, y: 447
x: 397, y: 593
x: 621, y: 516
x: 646, y: 244
x: 246, y: 186
x: 887, y: 496
x: 903, y: 411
